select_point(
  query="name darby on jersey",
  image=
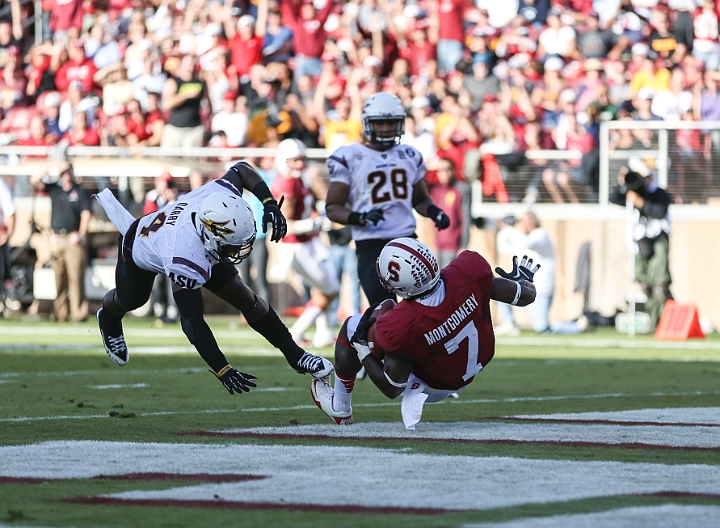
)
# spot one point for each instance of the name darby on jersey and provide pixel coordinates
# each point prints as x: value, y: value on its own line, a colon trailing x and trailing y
x: 453, y: 321
x: 175, y: 213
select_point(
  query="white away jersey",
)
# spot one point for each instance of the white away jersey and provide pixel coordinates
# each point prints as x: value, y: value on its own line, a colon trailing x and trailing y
x: 379, y: 179
x: 167, y: 242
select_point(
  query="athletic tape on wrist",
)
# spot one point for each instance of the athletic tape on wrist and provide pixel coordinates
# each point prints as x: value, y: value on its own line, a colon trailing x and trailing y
x: 517, y: 294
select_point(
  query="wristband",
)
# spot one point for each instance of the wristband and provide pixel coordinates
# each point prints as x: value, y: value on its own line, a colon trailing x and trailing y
x: 517, y: 294
x: 224, y: 370
x: 262, y: 193
x: 355, y: 218
x: 394, y: 383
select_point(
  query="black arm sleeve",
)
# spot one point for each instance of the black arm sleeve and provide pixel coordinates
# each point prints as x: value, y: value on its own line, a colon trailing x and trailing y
x: 190, y: 305
x: 617, y: 195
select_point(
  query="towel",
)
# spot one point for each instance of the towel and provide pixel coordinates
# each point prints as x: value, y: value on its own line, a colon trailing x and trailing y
x: 117, y: 214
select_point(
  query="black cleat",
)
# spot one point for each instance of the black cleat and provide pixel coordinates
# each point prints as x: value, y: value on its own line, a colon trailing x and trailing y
x: 112, y: 333
x: 318, y: 366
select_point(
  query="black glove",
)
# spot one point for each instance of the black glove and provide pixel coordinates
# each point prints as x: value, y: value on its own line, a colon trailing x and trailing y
x: 272, y: 215
x: 521, y: 271
x: 442, y: 221
x: 372, y: 217
x: 235, y: 381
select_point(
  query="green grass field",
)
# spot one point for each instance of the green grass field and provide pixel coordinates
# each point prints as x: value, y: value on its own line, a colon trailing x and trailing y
x: 57, y: 384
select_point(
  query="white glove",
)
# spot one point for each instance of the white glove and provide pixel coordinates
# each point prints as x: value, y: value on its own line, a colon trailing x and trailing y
x: 362, y: 350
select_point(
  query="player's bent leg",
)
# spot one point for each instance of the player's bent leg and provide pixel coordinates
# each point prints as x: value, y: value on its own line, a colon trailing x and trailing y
x: 262, y: 318
x: 322, y: 395
x: 110, y: 323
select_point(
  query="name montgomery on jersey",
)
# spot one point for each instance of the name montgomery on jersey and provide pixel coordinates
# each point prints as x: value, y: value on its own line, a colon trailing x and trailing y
x: 453, y: 321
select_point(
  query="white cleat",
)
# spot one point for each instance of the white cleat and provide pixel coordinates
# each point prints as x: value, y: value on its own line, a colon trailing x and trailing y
x: 322, y: 394
x: 318, y: 366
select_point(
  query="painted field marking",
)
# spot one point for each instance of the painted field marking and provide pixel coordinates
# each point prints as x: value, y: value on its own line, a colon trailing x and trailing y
x: 692, y: 416
x: 664, y: 516
x: 119, y: 386
x: 439, y: 482
x: 371, y: 405
x: 562, y: 434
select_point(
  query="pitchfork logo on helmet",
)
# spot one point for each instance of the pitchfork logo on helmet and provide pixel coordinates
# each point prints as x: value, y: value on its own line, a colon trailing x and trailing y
x: 226, y: 225
x: 407, y: 268
x: 379, y: 109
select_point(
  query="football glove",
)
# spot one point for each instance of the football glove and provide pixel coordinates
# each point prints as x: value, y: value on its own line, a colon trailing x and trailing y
x: 522, y: 271
x: 235, y: 381
x: 359, y: 339
x: 272, y: 215
x: 442, y: 221
x: 372, y: 217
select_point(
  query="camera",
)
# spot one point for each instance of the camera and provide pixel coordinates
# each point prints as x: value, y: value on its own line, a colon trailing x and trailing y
x: 633, y: 181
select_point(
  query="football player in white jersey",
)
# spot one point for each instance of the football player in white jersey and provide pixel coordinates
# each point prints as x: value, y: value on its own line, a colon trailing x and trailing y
x: 196, y: 242
x: 374, y: 187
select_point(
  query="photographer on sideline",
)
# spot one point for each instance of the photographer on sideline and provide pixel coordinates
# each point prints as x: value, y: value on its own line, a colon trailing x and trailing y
x: 650, y: 231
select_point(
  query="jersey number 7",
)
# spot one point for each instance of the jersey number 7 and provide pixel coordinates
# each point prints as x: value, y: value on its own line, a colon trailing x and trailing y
x: 470, y: 332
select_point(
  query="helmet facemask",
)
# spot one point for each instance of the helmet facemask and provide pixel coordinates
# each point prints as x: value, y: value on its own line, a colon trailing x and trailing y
x: 227, y: 227
x: 390, y: 133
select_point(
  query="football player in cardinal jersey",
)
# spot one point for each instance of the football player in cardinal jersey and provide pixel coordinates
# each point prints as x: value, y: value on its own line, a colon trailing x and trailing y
x: 435, y: 340
x: 302, y: 250
x: 375, y: 185
x: 196, y: 242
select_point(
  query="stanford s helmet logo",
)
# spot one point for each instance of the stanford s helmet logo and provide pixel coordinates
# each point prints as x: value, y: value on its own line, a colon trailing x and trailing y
x: 393, y: 268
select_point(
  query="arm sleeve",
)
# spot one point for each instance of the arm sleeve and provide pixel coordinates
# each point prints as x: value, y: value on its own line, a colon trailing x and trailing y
x: 190, y: 305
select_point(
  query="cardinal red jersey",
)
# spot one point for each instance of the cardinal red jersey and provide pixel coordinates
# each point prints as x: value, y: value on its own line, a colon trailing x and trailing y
x: 449, y: 343
x: 294, y: 189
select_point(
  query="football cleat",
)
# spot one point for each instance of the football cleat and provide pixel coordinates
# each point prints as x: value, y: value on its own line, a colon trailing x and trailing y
x: 112, y: 334
x: 322, y: 394
x: 318, y: 366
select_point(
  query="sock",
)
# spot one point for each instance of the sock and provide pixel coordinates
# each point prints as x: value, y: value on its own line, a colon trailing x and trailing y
x: 322, y: 325
x: 306, y: 319
x: 343, y: 393
x: 277, y: 334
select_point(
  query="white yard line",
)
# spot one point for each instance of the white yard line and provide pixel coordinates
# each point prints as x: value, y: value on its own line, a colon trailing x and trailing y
x: 119, y: 386
x: 379, y: 476
x: 664, y: 516
x: 499, y: 432
x: 687, y: 415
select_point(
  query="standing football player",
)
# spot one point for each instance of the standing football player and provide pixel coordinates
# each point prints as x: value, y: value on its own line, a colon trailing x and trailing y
x: 196, y: 242
x: 434, y: 341
x: 374, y: 187
x: 302, y: 250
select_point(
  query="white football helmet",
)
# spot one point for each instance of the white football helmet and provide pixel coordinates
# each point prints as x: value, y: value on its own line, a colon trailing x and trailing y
x: 383, y: 106
x: 407, y: 268
x: 226, y: 225
x: 289, y: 149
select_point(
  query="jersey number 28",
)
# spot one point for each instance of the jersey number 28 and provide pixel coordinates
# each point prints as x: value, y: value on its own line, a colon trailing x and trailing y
x: 398, y: 179
x: 470, y: 332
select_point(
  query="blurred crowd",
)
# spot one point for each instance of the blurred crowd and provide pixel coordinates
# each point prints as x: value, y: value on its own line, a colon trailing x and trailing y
x: 483, y: 83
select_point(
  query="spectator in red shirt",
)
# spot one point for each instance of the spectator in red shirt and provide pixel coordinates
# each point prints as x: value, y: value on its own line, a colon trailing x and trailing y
x: 308, y: 34
x: 449, y: 14
x: 246, y: 39
x: 450, y: 198
x: 40, y: 78
x: 420, y: 48
x: 66, y: 15
x: 12, y: 85
x: 80, y: 134
x: 39, y: 136
x: 77, y: 68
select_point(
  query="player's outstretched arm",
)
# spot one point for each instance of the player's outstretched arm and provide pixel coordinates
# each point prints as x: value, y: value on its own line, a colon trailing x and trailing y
x: 517, y: 293
x: 190, y: 306
x: 243, y: 176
